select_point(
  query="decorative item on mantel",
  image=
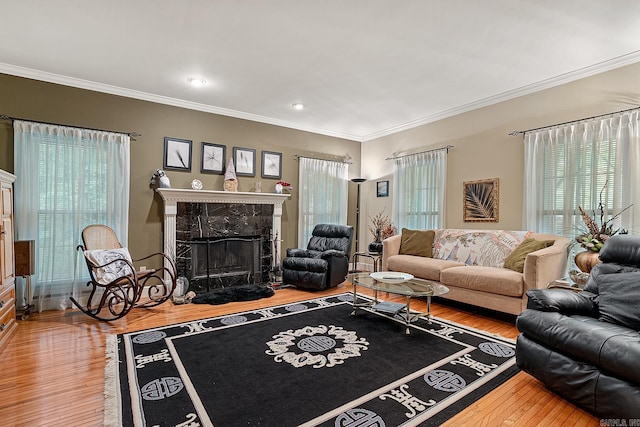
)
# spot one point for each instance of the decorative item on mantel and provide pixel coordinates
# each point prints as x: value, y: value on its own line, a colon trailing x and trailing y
x: 596, y: 235
x: 257, y: 188
x: 196, y: 184
x: 159, y: 180
x: 381, y: 227
x: 230, y: 180
x: 283, y: 185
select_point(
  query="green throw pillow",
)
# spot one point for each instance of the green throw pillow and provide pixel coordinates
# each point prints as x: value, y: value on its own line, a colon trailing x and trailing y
x: 417, y: 242
x: 515, y: 261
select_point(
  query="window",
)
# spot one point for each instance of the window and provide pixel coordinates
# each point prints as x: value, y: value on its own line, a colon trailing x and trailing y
x: 323, y: 195
x: 581, y: 164
x: 69, y: 178
x: 419, y: 190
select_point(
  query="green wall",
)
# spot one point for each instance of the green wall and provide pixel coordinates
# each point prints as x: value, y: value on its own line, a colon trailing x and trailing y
x: 48, y: 102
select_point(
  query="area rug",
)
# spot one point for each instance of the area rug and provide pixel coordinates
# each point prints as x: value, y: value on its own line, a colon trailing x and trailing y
x: 309, y: 363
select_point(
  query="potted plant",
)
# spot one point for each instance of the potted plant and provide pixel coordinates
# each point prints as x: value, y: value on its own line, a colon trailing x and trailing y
x: 596, y: 234
x: 381, y: 227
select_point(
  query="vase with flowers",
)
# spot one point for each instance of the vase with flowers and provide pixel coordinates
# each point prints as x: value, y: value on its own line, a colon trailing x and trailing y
x: 595, y: 234
x: 380, y: 228
x: 283, y: 185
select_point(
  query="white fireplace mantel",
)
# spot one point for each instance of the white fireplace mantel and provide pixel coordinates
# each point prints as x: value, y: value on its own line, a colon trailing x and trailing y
x: 173, y: 196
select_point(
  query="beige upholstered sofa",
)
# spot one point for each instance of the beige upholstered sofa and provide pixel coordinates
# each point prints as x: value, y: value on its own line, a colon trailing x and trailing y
x: 471, y: 264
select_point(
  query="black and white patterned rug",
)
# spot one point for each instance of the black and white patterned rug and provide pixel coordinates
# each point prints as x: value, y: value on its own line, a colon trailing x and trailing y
x: 308, y: 363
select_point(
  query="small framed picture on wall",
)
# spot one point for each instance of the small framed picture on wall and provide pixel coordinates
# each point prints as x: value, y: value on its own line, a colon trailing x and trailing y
x: 213, y: 158
x: 245, y: 161
x: 177, y: 154
x: 382, y: 188
x: 271, y: 165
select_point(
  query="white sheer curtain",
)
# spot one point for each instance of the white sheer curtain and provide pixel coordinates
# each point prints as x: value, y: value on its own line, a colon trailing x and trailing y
x: 582, y: 164
x: 68, y: 178
x: 419, y: 188
x: 323, y: 195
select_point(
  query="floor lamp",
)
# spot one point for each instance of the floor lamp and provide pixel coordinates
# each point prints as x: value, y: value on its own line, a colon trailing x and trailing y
x: 358, y: 181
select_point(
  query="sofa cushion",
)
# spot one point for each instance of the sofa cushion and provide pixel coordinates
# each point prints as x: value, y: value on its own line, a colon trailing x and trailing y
x: 417, y: 242
x: 424, y: 268
x: 515, y: 260
x: 485, y: 279
x: 488, y: 248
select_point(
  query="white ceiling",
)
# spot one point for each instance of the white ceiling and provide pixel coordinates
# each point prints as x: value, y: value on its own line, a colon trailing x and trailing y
x: 363, y: 68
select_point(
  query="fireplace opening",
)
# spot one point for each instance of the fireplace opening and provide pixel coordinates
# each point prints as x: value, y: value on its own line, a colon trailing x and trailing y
x: 223, y: 261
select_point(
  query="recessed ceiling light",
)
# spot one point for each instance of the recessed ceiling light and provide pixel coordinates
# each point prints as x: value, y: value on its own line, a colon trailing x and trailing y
x: 298, y: 106
x: 197, y: 82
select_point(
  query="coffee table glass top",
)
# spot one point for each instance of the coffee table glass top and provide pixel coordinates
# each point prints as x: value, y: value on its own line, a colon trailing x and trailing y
x: 414, y: 287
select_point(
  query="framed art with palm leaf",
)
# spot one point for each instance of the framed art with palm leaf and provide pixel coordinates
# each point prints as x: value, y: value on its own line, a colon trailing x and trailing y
x: 481, y: 200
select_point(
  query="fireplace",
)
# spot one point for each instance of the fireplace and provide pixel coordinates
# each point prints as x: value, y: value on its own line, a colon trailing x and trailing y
x: 225, y: 261
x: 208, y: 233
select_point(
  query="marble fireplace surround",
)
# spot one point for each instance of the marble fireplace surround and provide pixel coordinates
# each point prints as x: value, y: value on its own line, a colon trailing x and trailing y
x: 172, y: 197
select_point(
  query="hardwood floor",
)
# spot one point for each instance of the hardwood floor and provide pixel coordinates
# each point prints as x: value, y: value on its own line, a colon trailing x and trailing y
x: 53, y: 368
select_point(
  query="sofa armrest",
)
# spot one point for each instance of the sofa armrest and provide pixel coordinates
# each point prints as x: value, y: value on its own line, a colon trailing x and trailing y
x: 562, y: 301
x: 390, y: 246
x: 546, y: 265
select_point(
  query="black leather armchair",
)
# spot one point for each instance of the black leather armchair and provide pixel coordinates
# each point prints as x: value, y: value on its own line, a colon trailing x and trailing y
x: 586, y: 346
x: 325, y: 262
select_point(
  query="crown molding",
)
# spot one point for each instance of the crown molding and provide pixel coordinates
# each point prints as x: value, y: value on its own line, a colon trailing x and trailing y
x: 159, y: 99
x: 602, y: 67
x: 592, y: 70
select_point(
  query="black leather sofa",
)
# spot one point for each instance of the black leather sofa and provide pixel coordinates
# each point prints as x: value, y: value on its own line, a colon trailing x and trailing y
x: 325, y: 261
x: 585, y: 346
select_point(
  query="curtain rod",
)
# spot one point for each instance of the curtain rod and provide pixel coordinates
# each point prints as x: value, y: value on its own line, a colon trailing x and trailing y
x: 446, y: 147
x: 5, y: 117
x: 522, y: 132
x: 344, y: 160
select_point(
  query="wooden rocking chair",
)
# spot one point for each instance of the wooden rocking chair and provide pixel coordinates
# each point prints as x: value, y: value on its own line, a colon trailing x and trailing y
x: 117, y: 286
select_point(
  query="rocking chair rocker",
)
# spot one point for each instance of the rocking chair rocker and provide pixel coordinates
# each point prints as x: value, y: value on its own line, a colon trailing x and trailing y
x: 117, y: 286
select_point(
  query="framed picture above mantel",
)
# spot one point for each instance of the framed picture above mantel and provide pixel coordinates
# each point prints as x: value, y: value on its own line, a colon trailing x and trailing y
x: 213, y: 158
x: 480, y: 201
x: 271, y: 164
x: 245, y: 161
x: 177, y: 154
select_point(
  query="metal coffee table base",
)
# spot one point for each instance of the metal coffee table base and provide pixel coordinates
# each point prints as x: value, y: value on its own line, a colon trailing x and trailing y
x: 394, y: 308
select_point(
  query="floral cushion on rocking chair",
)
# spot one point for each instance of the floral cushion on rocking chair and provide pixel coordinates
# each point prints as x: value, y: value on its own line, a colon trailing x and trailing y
x: 109, y: 273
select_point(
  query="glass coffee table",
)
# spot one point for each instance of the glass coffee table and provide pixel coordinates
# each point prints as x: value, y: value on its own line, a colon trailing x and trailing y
x: 409, y: 288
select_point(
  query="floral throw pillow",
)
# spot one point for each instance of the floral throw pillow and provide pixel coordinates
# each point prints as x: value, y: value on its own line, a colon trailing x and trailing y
x: 111, y: 272
x: 487, y: 248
